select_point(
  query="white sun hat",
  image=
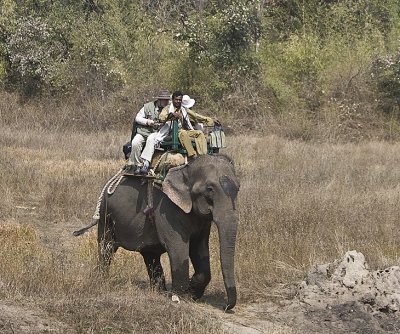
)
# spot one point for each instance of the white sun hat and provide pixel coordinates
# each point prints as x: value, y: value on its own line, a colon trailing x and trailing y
x: 187, y: 102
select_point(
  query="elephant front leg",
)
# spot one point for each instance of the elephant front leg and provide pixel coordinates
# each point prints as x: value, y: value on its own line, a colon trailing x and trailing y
x: 179, y: 261
x: 200, y: 257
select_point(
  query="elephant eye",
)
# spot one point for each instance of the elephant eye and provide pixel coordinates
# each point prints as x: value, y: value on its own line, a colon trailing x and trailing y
x: 209, y: 194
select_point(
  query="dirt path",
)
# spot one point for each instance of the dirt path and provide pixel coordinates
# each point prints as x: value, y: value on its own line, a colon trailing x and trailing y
x: 248, y: 319
x: 26, y: 319
x: 298, y: 318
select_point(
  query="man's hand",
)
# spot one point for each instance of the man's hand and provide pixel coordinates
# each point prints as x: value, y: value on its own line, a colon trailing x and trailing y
x: 174, y: 116
x: 149, y: 122
x: 177, y: 115
x: 216, y: 121
x: 157, y: 125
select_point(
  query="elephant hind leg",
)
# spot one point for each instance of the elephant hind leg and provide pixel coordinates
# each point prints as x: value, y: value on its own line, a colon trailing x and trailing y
x: 106, y: 244
x: 154, y: 270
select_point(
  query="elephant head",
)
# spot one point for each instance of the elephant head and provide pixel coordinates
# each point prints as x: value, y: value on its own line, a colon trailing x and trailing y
x: 208, y: 188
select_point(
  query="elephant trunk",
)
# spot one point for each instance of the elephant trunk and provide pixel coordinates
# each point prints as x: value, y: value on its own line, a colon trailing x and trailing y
x: 227, y: 228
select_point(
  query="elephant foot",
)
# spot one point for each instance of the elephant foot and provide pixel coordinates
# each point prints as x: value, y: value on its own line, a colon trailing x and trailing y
x: 162, y: 286
x: 196, y: 290
x: 198, y: 284
x: 196, y: 295
x: 103, y: 267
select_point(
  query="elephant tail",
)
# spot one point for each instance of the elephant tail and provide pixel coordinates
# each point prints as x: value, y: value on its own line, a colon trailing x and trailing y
x: 86, y: 228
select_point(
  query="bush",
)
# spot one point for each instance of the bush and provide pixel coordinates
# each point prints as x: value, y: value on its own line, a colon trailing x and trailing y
x: 2, y: 73
x: 260, y: 58
x: 35, y: 53
x: 387, y: 70
x: 223, y: 40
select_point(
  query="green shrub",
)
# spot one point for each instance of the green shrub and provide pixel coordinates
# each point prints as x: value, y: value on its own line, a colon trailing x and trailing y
x: 35, y: 53
x: 2, y: 73
x: 387, y: 70
x: 223, y: 39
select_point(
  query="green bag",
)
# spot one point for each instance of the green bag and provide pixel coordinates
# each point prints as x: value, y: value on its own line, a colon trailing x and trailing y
x: 217, y: 137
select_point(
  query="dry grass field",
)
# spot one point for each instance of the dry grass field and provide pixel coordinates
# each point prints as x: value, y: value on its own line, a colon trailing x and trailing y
x: 300, y: 203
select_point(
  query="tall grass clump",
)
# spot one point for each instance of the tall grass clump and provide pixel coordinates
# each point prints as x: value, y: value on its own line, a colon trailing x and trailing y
x: 302, y: 204
x: 80, y: 297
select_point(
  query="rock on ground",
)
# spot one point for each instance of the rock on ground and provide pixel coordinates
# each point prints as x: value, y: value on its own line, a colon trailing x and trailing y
x: 350, y: 280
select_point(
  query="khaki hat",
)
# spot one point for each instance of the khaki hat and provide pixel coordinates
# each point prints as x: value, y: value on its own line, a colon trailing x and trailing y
x: 163, y: 95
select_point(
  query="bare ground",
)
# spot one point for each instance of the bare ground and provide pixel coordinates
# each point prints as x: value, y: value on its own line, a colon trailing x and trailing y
x: 28, y: 319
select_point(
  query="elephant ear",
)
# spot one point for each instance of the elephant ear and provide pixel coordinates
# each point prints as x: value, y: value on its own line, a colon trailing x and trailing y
x: 175, y: 186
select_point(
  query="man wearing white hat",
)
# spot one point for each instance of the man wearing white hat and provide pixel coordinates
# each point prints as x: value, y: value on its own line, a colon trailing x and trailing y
x: 194, y: 117
x: 179, y: 110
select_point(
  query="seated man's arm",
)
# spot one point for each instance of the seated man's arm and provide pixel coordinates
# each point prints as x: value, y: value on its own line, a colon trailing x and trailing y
x: 141, y: 118
x: 197, y: 118
x: 164, y: 115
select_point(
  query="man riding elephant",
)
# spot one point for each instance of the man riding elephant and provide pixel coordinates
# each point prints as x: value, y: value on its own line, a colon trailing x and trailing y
x: 144, y: 126
x: 177, y: 111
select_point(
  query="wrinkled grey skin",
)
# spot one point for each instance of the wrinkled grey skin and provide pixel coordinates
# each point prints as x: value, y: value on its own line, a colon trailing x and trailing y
x: 206, y: 189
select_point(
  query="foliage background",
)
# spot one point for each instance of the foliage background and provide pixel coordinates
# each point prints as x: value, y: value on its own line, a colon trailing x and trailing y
x: 320, y: 70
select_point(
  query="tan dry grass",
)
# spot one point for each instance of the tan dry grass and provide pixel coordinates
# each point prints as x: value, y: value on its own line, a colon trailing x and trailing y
x: 53, y: 177
x: 56, y: 169
x: 302, y: 203
x: 78, y: 296
x: 299, y: 203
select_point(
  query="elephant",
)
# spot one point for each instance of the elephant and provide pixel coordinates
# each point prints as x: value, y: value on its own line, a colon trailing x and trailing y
x: 191, y: 198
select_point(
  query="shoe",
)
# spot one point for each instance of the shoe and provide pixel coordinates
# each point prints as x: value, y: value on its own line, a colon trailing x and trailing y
x: 144, y: 170
x: 137, y: 170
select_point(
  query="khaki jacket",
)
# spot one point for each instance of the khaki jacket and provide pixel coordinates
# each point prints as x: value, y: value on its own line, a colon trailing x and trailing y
x: 187, y: 114
x: 193, y: 116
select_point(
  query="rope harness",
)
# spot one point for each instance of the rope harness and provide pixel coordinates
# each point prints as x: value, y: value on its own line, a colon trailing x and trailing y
x: 111, y: 185
x: 114, y: 181
x: 163, y: 156
x: 149, y: 210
